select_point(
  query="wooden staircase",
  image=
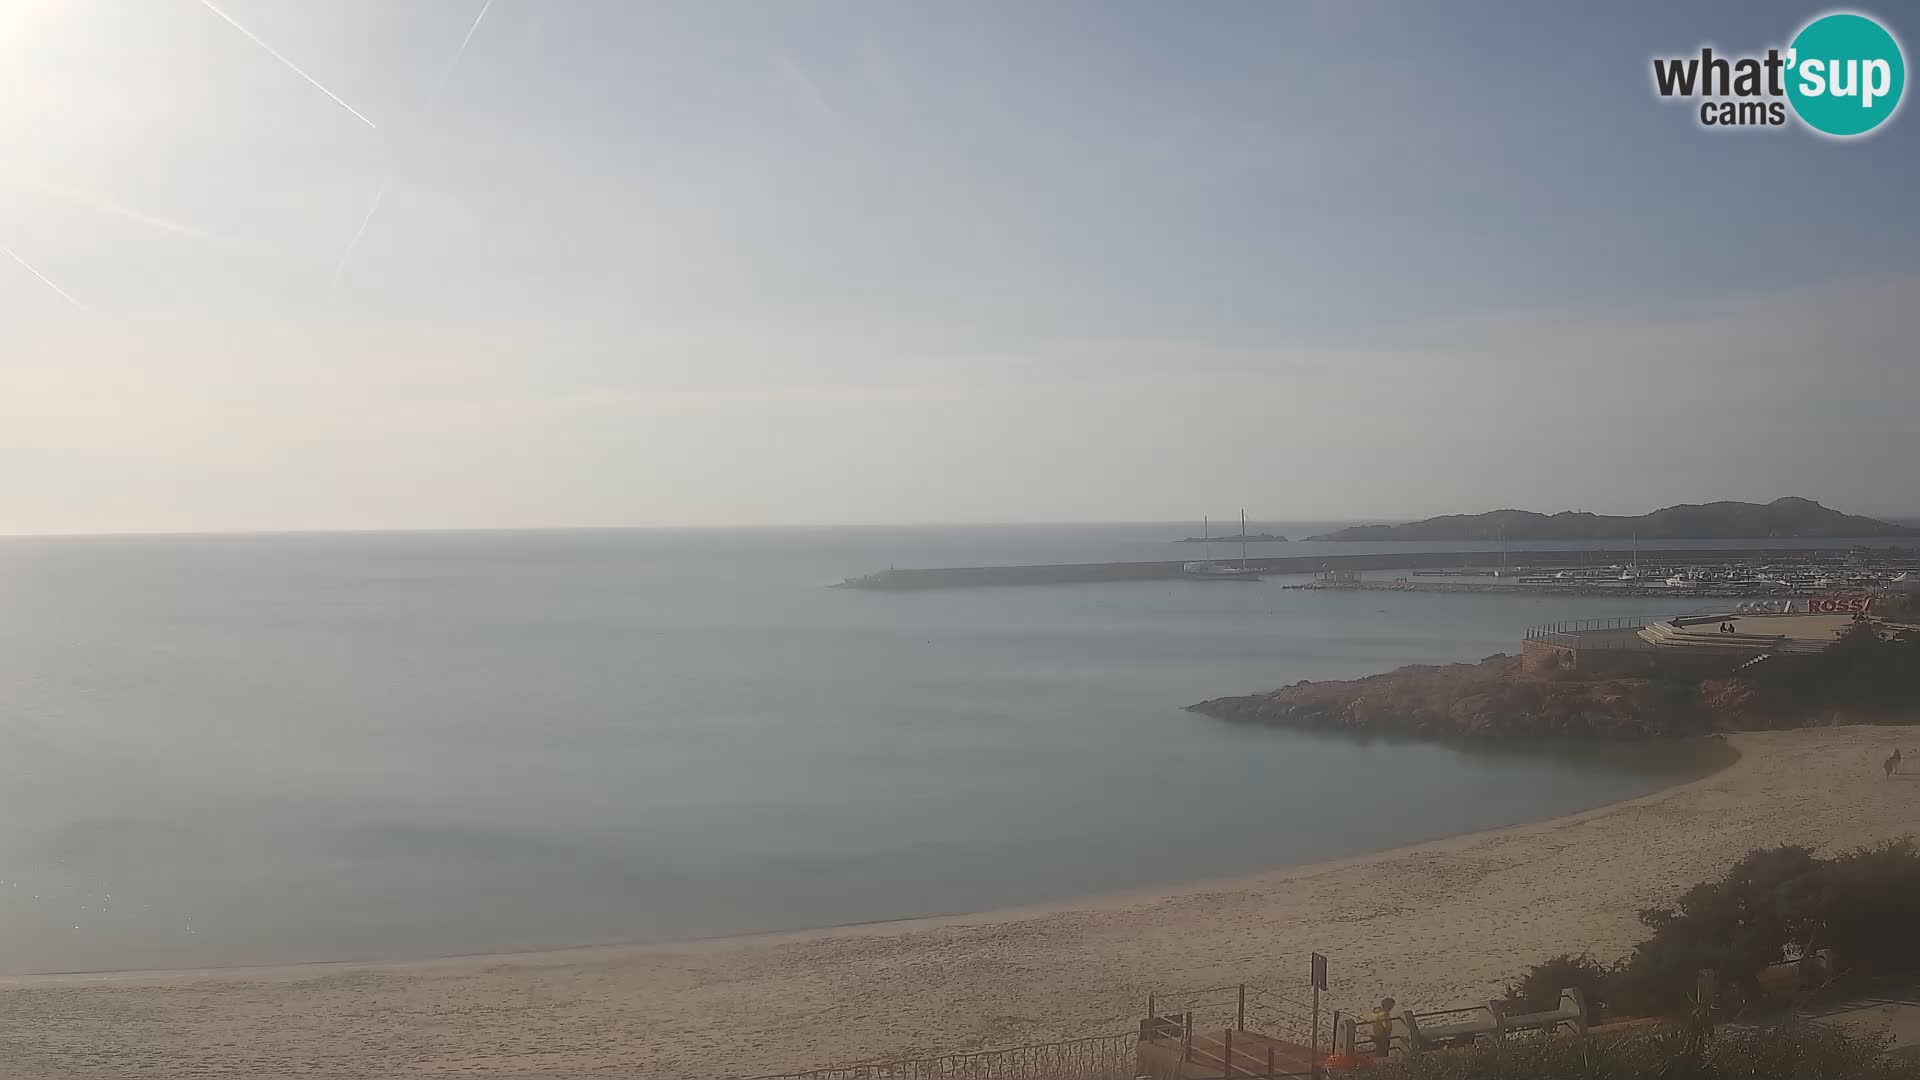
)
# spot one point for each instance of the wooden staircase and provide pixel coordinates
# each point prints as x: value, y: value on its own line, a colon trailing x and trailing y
x: 1225, y: 1053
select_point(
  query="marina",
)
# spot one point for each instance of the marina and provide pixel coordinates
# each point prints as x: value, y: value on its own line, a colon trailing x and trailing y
x: 1730, y: 572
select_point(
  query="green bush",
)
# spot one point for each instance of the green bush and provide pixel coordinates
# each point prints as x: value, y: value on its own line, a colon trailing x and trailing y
x: 1788, y: 1052
x: 1773, y: 906
x: 1868, y: 669
x: 1539, y: 989
x: 1762, y: 912
x: 1868, y: 904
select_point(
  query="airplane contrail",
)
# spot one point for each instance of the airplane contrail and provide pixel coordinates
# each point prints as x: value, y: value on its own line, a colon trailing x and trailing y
x: 340, y: 268
x: 44, y: 280
x: 105, y: 205
x: 433, y: 103
x: 447, y: 75
x: 275, y: 53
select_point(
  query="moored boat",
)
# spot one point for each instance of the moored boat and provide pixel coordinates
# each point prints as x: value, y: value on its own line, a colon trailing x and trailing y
x: 1208, y: 570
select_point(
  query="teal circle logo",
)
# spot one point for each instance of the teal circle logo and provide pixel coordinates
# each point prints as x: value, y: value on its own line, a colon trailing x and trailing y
x: 1845, y: 73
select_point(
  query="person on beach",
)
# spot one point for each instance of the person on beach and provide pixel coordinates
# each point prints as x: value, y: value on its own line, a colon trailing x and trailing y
x: 1892, y: 764
x: 1383, y: 1029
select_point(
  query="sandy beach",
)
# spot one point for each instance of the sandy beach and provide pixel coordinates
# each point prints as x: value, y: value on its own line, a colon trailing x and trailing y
x: 1432, y: 924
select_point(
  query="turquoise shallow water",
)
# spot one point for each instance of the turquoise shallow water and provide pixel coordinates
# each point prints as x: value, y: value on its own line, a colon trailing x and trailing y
x: 235, y: 750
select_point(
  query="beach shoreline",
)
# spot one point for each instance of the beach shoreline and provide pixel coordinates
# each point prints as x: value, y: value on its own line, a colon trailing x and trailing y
x: 1095, y: 901
x: 1432, y: 923
x: 1089, y: 901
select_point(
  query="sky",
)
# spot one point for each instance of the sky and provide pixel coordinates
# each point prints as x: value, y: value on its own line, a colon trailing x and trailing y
x: 722, y: 263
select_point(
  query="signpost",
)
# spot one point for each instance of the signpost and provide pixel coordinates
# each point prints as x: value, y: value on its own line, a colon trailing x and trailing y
x: 1319, y: 984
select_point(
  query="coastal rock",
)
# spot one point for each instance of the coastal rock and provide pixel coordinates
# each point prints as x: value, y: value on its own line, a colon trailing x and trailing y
x: 1490, y: 699
x: 1870, y: 674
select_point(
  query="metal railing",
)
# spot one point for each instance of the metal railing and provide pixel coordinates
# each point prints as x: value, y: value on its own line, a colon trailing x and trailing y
x: 1098, y: 1057
x: 1570, y: 626
x: 1413, y: 1032
x: 1566, y: 634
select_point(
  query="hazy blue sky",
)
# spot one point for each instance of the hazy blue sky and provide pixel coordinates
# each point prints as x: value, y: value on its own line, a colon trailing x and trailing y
x: 728, y: 263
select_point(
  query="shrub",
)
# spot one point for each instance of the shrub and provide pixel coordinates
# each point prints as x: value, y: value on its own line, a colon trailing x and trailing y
x: 1539, y: 989
x: 1866, y: 909
x: 1773, y: 906
x: 1786, y: 1052
x: 1762, y: 912
x: 1867, y: 668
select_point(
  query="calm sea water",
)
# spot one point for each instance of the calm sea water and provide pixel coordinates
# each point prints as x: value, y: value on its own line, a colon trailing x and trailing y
x: 236, y: 750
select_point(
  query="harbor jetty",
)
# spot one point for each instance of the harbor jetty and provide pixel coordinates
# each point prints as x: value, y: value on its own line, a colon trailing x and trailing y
x: 1464, y: 563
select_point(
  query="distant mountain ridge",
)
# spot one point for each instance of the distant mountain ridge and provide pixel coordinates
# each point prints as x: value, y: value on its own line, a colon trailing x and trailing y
x: 1789, y: 517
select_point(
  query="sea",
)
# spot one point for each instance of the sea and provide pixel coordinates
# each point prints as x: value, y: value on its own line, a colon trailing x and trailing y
x: 223, y: 751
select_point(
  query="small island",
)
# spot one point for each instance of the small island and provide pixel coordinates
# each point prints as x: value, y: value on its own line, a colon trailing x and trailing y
x: 1781, y: 518
x: 1236, y: 538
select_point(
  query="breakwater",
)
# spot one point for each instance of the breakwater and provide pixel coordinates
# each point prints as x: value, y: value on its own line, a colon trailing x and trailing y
x: 1072, y: 573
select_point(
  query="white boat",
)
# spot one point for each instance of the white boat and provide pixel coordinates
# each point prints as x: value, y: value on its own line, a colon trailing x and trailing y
x: 1208, y: 570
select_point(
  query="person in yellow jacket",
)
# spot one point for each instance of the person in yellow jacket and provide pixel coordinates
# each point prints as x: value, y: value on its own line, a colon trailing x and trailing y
x: 1383, y: 1028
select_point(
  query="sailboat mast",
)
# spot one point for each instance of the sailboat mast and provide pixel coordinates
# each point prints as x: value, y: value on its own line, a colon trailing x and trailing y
x: 1243, y: 538
x: 1206, y: 536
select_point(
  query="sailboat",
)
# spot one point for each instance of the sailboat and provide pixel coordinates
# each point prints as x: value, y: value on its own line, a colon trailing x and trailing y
x: 1208, y: 570
x: 1503, y: 570
x: 1632, y: 573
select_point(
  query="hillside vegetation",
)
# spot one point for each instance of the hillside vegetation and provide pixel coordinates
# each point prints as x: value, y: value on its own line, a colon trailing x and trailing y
x: 1790, y: 1052
x: 1782, y: 927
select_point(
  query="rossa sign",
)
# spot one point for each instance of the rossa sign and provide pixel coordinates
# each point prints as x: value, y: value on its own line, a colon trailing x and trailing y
x: 1840, y: 605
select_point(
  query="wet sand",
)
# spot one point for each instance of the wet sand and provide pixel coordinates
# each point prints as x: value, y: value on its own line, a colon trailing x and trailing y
x: 1432, y: 924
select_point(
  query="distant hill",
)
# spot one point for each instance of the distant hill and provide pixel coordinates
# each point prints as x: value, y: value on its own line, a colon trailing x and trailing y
x: 1709, y: 521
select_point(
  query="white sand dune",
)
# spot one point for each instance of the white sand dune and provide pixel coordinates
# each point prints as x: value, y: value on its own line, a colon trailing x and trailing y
x: 1431, y: 924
